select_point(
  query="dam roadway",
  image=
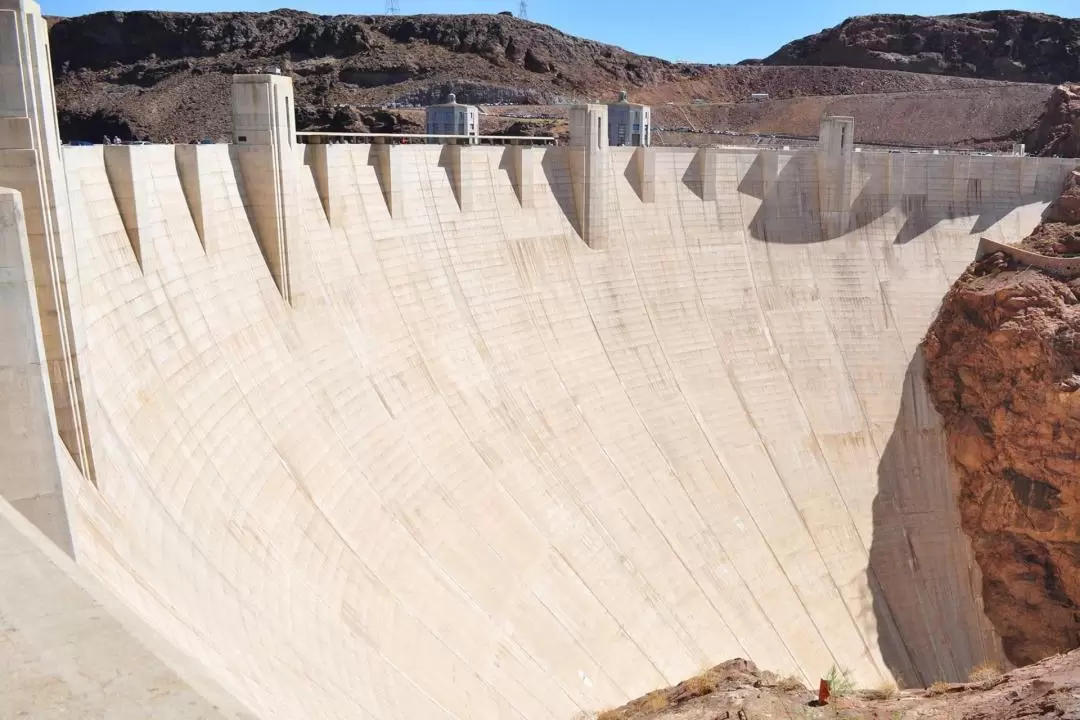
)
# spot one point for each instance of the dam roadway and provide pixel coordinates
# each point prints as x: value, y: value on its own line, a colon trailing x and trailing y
x: 494, y: 457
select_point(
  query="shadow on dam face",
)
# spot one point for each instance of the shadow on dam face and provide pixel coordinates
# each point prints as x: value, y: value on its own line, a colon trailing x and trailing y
x: 925, y: 583
x: 790, y: 190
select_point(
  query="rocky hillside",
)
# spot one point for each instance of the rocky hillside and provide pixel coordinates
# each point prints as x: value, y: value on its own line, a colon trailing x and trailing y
x: 530, y: 61
x: 1000, y: 45
x: 1003, y: 359
x: 157, y: 75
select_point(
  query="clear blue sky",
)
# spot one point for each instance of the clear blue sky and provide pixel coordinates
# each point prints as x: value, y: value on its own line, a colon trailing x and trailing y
x: 719, y: 31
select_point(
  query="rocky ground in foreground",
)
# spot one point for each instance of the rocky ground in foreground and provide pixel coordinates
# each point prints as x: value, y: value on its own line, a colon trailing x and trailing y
x: 738, y: 690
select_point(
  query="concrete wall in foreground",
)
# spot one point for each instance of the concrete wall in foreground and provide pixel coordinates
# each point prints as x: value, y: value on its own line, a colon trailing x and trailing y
x: 30, y: 164
x: 99, y: 660
x: 477, y: 467
x: 30, y: 479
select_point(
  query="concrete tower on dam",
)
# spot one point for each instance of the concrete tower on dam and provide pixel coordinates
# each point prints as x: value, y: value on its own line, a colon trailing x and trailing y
x: 419, y: 431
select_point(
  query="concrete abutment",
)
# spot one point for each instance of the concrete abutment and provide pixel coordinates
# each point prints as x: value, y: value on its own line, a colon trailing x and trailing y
x: 31, y: 163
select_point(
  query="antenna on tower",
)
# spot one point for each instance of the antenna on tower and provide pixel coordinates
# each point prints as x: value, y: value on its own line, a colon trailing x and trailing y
x: 523, y: 10
x: 392, y: 7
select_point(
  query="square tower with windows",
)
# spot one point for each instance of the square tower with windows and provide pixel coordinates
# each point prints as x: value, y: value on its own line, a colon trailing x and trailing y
x: 629, y: 124
x: 454, y: 118
x: 837, y: 136
x: 264, y: 146
x: 263, y: 110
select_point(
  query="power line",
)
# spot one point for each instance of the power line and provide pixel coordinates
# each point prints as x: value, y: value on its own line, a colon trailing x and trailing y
x: 392, y: 7
x: 523, y: 10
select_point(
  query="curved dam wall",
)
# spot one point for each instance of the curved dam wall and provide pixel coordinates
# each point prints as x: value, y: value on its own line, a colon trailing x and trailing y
x: 477, y: 468
x: 478, y: 432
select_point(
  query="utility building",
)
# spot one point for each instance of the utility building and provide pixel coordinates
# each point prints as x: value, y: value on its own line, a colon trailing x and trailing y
x: 629, y: 123
x: 453, y: 118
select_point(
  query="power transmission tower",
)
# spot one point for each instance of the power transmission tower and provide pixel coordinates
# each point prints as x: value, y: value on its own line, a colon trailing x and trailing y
x: 523, y: 10
x: 392, y: 7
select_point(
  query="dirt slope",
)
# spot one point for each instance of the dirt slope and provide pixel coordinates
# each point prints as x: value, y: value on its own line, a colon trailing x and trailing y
x: 962, y: 117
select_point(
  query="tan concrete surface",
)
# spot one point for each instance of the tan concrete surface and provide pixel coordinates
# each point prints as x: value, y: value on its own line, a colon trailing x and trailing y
x: 31, y: 478
x: 478, y: 469
x: 30, y: 163
x: 99, y: 663
x: 405, y: 431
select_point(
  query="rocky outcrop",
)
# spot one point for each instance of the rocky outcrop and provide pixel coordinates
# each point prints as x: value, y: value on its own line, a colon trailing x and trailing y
x: 347, y: 119
x: 1066, y: 209
x: 1057, y: 133
x: 532, y: 129
x: 397, y: 46
x: 1003, y: 367
x: 1000, y: 45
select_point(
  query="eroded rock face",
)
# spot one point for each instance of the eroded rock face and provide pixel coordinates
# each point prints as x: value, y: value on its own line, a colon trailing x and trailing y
x: 1003, y: 367
x: 998, y: 44
x: 1066, y: 208
x: 1058, y: 130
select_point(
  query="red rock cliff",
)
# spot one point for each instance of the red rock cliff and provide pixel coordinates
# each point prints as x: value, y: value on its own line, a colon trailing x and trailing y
x: 1003, y: 367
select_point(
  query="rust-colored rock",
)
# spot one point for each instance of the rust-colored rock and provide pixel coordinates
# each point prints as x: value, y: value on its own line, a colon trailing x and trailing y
x: 1057, y: 133
x: 1003, y: 367
x: 1067, y: 207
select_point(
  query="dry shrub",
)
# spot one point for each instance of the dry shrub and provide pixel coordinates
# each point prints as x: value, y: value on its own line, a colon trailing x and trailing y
x: 700, y: 685
x: 609, y: 715
x: 655, y: 702
x: 790, y: 684
x: 984, y: 673
x: 940, y: 687
x: 885, y: 691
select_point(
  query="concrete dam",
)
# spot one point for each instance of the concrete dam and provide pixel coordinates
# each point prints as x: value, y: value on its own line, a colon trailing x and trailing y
x: 435, y: 431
